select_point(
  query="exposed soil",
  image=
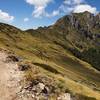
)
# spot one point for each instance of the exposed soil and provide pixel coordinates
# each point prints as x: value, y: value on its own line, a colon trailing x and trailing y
x: 10, y: 78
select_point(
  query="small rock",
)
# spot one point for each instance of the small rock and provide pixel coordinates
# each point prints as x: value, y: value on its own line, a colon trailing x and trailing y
x: 45, y: 90
x: 41, y: 85
x: 33, y: 96
x: 24, y: 67
x: 65, y: 96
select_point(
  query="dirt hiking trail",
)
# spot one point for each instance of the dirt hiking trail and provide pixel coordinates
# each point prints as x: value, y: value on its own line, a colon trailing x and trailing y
x: 10, y: 77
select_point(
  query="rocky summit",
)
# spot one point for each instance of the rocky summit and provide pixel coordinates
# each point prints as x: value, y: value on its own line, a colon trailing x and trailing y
x: 58, y: 62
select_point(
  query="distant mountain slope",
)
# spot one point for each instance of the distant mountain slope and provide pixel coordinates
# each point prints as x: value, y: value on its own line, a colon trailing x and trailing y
x: 83, y: 31
x: 78, y: 33
x: 70, y: 48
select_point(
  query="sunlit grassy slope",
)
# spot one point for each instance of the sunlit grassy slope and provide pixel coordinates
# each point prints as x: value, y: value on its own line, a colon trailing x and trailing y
x: 52, y: 58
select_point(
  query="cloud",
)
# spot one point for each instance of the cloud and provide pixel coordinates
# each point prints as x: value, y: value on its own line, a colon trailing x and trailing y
x: 73, y: 2
x: 39, y: 11
x: 54, y: 13
x: 40, y: 8
x: 85, y: 7
x: 26, y: 19
x: 66, y: 7
x: 77, y: 6
x: 4, y: 16
x: 39, y: 3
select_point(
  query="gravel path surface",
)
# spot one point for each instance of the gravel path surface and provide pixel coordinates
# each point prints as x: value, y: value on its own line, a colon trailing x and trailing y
x: 10, y: 77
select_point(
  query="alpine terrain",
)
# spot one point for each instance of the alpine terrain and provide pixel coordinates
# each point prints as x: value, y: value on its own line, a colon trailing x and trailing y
x: 59, y: 62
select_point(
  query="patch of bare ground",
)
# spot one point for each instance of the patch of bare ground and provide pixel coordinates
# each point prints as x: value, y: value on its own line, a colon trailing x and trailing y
x: 10, y: 78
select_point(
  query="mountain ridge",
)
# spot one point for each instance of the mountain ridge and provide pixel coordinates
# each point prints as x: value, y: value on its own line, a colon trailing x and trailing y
x: 81, y: 30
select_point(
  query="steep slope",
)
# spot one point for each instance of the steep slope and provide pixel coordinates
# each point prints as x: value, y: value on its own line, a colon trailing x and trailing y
x: 83, y: 31
x: 55, y: 50
x: 78, y: 33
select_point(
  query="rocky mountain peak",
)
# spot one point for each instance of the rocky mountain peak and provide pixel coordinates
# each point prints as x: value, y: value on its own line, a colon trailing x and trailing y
x: 98, y: 16
x: 74, y: 17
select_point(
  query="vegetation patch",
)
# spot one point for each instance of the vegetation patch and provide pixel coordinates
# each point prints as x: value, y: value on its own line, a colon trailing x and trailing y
x: 47, y: 67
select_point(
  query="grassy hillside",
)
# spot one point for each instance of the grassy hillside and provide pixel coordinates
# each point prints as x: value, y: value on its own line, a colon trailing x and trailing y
x: 54, y: 53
